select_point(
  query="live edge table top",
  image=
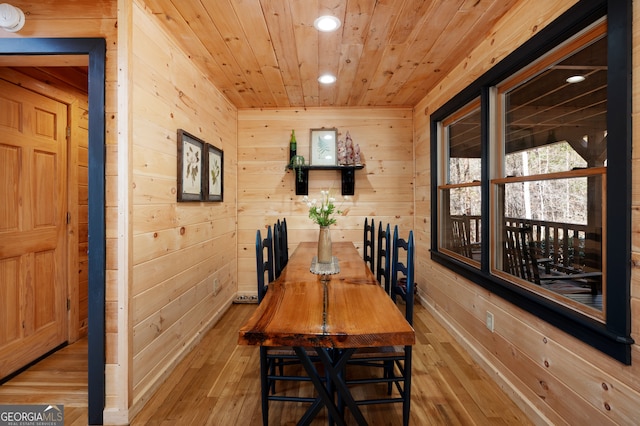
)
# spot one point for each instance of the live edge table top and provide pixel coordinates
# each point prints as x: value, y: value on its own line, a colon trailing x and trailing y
x: 350, y: 311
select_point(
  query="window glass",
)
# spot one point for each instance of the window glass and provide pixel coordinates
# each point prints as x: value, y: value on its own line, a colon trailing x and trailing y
x: 551, y: 198
x: 548, y: 158
x: 554, y: 200
x: 558, y: 254
x: 460, y: 195
x: 558, y: 116
x: 464, y: 148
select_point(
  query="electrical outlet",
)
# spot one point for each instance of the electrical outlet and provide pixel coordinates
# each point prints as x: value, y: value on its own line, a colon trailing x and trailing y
x: 216, y: 286
x: 490, y: 321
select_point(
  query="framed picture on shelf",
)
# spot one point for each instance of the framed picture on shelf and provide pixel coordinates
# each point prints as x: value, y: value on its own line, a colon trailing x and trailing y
x: 214, y: 166
x: 323, y: 144
x: 190, y: 166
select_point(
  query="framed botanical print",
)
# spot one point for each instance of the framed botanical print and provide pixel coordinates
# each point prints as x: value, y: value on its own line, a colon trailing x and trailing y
x: 323, y: 147
x: 190, y: 167
x: 214, y: 167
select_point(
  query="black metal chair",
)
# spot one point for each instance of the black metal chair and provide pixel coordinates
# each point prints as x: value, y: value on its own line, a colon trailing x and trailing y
x: 383, y: 258
x: 395, y: 361
x: 368, y: 249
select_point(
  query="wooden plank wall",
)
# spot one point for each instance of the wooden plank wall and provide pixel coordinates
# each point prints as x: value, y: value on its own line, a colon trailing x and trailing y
x: 266, y: 192
x: 184, y: 265
x: 554, y: 377
x: 81, y: 134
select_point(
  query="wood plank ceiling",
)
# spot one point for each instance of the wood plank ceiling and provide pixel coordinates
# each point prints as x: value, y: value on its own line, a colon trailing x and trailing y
x: 267, y: 54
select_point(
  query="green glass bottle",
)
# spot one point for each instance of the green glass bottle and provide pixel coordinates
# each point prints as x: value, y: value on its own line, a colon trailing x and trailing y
x: 292, y: 145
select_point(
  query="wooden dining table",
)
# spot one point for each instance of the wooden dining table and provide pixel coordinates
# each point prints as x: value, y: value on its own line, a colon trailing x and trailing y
x: 333, y: 313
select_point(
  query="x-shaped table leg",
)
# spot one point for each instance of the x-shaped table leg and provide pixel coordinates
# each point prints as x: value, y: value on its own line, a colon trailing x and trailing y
x: 333, y: 367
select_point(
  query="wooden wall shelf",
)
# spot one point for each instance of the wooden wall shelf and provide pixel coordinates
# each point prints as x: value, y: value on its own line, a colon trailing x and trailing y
x: 348, y: 177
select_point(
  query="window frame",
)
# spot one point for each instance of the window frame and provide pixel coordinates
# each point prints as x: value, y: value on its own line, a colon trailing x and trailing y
x: 611, y: 336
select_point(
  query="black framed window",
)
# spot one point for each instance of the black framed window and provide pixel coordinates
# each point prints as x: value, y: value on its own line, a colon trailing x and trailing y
x: 551, y: 168
x: 529, y: 173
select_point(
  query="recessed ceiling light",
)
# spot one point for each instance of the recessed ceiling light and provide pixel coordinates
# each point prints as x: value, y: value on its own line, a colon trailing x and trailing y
x: 326, y: 23
x: 327, y: 79
x: 575, y: 79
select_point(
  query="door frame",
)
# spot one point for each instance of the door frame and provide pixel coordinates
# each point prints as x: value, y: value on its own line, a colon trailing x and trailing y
x: 95, y: 48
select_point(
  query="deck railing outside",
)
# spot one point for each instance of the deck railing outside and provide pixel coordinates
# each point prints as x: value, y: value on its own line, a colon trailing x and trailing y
x: 569, y: 246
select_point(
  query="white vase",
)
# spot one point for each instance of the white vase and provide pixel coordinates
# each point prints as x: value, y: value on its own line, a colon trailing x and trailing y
x: 324, y: 245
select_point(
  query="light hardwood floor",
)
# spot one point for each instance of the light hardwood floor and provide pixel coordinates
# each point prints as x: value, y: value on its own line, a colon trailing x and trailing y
x: 218, y: 384
x: 61, y: 378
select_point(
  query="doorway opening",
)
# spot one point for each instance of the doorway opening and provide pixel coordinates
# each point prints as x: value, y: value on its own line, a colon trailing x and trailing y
x: 95, y: 48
